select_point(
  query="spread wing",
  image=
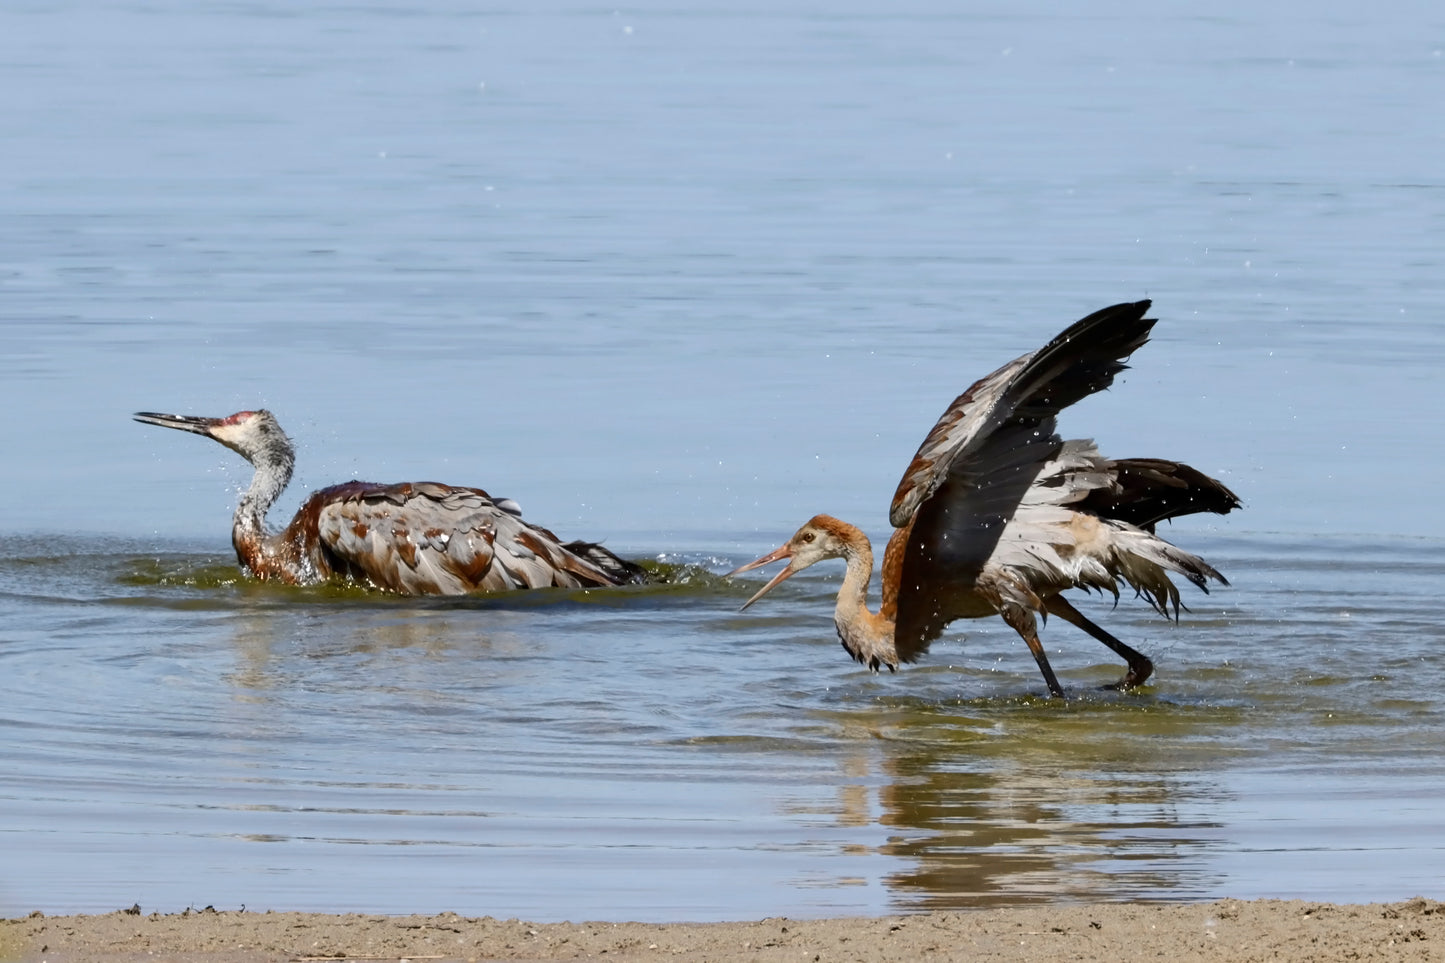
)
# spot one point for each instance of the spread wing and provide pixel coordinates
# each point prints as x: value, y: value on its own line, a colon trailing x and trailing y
x: 424, y: 538
x: 979, y: 463
x: 1080, y: 361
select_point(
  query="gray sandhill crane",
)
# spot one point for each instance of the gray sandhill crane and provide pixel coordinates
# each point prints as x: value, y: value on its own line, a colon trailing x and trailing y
x: 414, y: 538
x: 997, y: 514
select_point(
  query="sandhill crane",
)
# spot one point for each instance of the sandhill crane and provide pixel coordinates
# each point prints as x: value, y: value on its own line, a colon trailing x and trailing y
x: 415, y: 538
x: 996, y: 514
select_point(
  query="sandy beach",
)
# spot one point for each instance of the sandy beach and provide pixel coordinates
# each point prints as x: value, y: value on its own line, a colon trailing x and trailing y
x: 1233, y: 930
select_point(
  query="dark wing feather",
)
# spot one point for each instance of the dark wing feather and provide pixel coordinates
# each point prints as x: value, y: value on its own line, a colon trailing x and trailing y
x: 1080, y: 361
x: 1146, y: 491
x: 425, y: 538
x: 620, y: 570
x: 956, y: 531
x: 974, y: 469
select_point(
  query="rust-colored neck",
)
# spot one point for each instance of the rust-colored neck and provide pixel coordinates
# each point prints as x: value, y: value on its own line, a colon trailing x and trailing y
x: 868, y: 636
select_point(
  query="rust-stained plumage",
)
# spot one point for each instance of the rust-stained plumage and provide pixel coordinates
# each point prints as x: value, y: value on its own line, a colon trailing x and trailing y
x: 415, y: 538
x: 996, y: 514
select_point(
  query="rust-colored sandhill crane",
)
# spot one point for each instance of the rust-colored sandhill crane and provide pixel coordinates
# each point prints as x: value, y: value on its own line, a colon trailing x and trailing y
x: 415, y: 538
x: 997, y: 514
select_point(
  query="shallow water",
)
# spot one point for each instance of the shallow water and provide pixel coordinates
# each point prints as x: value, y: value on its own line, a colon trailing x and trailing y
x: 178, y: 736
x: 680, y: 279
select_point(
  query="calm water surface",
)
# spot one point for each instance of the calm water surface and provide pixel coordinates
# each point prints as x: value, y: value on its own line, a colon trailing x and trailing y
x: 680, y: 279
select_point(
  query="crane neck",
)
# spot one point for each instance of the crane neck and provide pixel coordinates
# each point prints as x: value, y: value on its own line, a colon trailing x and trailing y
x: 853, y: 595
x: 867, y: 635
x: 274, y: 465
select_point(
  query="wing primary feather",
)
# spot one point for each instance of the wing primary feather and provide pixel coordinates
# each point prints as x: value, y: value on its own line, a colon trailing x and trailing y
x: 1081, y: 360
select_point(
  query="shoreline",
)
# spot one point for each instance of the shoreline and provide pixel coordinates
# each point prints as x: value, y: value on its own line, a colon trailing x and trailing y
x: 1241, y: 931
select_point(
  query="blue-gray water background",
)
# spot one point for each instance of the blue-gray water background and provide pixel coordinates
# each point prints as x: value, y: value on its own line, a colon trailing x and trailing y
x: 678, y: 277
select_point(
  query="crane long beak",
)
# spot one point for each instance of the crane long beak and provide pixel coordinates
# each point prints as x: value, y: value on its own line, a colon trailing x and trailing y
x: 192, y: 423
x: 785, y: 551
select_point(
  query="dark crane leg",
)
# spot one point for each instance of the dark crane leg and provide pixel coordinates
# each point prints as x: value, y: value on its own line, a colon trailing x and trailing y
x: 1140, y: 667
x: 1022, y: 621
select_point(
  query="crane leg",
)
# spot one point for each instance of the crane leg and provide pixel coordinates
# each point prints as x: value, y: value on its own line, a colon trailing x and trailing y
x: 1140, y: 666
x: 1022, y: 621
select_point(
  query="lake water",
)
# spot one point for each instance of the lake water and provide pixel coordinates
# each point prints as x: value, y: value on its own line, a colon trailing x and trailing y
x: 679, y: 277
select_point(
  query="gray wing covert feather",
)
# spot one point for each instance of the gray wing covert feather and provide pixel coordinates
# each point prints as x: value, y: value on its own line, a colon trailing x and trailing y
x: 431, y: 539
x: 972, y: 416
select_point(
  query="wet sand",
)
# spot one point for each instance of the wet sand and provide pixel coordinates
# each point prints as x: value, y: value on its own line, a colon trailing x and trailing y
x: 1232, y: 930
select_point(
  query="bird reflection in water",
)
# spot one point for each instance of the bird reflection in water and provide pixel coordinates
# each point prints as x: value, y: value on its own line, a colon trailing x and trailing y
x: 982, y: 809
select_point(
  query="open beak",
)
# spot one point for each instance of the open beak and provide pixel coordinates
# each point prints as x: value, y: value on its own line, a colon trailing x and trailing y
x: 776, y: 554
x: 201, y: 426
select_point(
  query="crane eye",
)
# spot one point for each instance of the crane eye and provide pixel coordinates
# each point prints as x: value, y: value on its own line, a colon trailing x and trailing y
x: 809, y: 536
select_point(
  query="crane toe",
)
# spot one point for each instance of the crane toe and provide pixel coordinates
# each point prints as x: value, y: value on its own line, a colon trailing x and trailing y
x: 1139, y: 672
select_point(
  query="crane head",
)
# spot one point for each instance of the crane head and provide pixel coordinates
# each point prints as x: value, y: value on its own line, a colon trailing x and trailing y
x: 822, y: 538
x: 251, y: 434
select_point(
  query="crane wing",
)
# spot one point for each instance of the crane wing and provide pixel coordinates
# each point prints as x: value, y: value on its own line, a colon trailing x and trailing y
x: 425, y: 538
x: 1080, y: 361
x: 980, y: 464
